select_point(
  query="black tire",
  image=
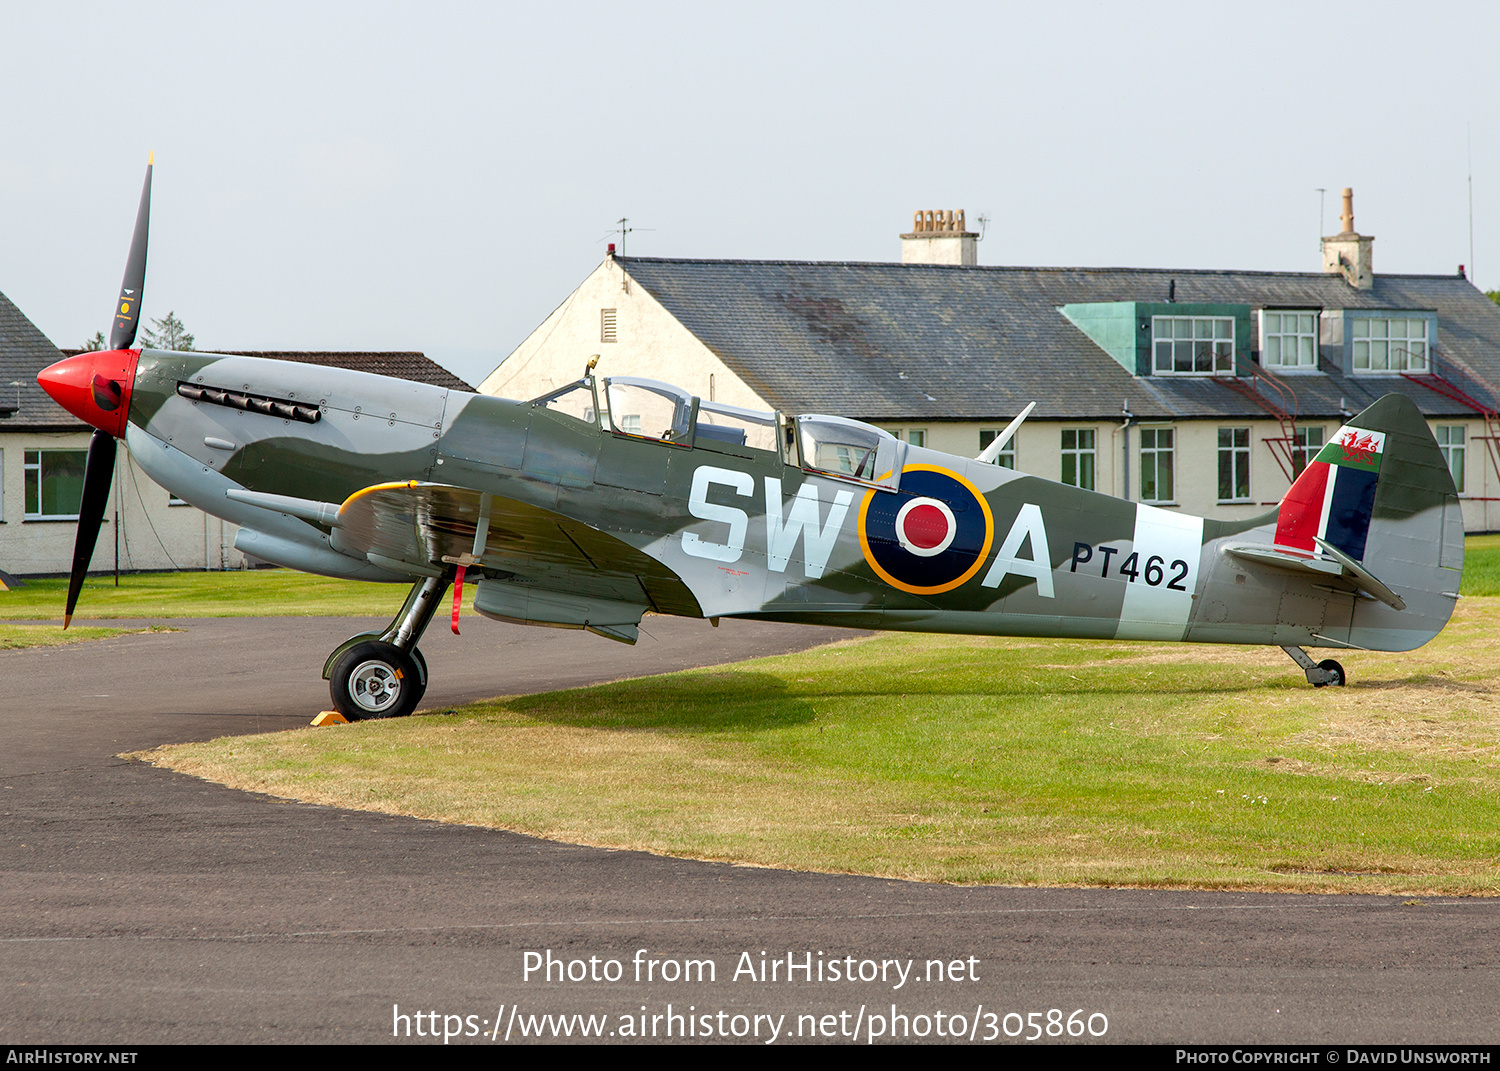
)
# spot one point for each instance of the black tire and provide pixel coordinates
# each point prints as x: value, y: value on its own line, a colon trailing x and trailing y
x: 422, y: 678
x: 375, y: 680
x: 1330, y: 666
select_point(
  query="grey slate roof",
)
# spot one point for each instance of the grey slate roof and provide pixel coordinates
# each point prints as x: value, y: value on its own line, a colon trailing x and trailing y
x: 25, y: 351
x: 907, y: 342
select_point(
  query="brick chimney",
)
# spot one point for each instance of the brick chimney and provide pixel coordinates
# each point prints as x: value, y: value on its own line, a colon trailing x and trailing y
x: 939, y: 237
x: 1349, y: 254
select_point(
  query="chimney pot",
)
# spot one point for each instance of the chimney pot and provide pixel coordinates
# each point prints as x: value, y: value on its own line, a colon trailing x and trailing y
x: 1349, y: 254
x: 939, y: 236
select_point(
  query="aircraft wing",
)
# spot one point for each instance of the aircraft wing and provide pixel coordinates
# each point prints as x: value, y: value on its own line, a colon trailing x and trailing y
x: 419, y: 526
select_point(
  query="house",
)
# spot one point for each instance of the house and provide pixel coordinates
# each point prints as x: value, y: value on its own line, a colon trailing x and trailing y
x: 42, y: 454
x: 1193, y: 389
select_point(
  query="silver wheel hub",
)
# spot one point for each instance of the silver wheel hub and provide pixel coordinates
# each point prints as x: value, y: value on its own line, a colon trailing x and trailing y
x: 374, y: 686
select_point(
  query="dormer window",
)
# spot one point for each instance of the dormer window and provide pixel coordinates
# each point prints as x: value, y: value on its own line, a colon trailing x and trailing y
x: 1389, y: 344
x: 1289, y: 340
x: 1192, y: 345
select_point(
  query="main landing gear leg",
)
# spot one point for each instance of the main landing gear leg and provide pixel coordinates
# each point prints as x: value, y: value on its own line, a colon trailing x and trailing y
x: 382, y: 674
x: 1319, y: 674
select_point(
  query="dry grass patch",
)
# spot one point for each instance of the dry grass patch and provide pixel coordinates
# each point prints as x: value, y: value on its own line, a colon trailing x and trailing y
x: 971, y: 760
x: 15, y: 637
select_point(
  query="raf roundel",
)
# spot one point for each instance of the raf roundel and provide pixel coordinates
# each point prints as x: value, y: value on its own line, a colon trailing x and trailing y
x: 929, y: 537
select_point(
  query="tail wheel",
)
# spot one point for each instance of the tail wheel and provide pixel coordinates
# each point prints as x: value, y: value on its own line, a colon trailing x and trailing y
x: 1335, y: 674
x: 375, y: 680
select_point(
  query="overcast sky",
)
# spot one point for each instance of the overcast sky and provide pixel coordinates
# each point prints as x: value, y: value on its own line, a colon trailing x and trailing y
x: 441, y: 176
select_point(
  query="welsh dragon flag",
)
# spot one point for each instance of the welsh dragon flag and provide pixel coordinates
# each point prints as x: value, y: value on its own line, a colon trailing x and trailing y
x: 1334, y: 496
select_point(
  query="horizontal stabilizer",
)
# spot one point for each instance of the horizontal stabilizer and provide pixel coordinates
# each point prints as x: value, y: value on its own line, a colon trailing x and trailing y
x: 1338, y: 566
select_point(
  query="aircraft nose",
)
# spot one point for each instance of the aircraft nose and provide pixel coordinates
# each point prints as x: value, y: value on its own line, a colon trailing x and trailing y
x: 94, y: 386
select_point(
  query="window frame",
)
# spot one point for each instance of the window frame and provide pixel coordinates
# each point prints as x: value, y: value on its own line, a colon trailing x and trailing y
x: 1157, y: 452
x: 1219, y: 357
x: 1370, y: 340
x: 1312, y: 336
x: 1077, y: 453
x: 1304, y: 451
x: 28, y: 467
x: 1238, y: 456
x: 989, y: 435
x: 1450, y: 449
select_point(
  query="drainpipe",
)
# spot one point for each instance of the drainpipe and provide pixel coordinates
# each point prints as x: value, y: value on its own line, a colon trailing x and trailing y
x: 1129, y: 418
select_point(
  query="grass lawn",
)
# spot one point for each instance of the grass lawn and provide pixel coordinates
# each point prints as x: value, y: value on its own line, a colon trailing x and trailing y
x: 252, y: 593
x: 962, y: 759
x: 15, y: 636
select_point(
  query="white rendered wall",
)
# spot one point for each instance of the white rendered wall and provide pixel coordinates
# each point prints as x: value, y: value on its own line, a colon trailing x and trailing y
x: 153, y: 534
x: 650, y: 342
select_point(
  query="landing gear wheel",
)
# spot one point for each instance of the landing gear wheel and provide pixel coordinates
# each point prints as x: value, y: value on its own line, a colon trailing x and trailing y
x: 421, y: 678
x: 1335, y: 672
x: 375, y: 680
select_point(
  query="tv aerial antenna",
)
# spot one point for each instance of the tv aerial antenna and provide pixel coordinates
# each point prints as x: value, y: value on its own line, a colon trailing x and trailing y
x: 623, y: 228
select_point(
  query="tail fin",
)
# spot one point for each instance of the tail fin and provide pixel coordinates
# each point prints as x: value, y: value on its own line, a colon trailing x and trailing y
x: 1384, y: 464
x: 1380, y: 492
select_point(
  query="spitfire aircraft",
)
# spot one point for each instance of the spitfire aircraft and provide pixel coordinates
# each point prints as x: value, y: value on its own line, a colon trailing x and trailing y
x: 616, y: 496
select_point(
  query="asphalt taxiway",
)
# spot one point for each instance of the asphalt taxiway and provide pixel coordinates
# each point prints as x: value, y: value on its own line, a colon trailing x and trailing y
x: 141, y: 906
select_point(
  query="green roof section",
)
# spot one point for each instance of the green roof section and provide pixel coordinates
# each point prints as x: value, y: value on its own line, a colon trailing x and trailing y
x: 1123, y: 329
x: 1112, y: 326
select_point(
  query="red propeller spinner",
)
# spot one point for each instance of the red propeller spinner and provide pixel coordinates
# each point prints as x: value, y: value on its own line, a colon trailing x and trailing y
x: 94, y: 386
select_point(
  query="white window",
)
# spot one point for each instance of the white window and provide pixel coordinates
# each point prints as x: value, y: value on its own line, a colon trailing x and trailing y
x: 1156, y: 464
x: 1306, y: 442
x: 1234, y: 464
x: 1006, y: 459
x: 1288, y: 340
x: 1192, y: 345
x: 1389, y: 344
x: 1450, y: 438
x: 1078, y: 457
x: 606, y: 325
x: 54, y: 484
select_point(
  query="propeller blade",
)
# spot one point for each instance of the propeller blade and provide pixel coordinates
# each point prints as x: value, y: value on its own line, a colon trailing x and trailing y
x: 128, y: 308
x: 98, y: 474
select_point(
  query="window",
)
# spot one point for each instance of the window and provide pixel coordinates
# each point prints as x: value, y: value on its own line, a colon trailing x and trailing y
x: 718, y: 422
x: 54, y: 483
x: 606, y: 325
x: 1156, y: 464
x: 1450, y: 438
x: 1306, y: 442
x: 848, y: 448
x: 1289, y: 340
x: 650, y: 410
x: 1006, y: 459
x: 1234, y: 464
x: 575, y: 400
x: 1192, y: 345
x: 1394, y: 344
x: 1078, y: 455
x: 917, y: 436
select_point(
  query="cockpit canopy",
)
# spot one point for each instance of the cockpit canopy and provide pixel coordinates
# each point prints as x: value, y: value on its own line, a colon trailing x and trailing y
x: 650, y: 409
x: 848, y: 448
